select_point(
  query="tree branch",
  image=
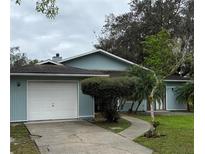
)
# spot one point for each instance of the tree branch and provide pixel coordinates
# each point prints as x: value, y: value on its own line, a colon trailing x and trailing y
x: 180, y: 62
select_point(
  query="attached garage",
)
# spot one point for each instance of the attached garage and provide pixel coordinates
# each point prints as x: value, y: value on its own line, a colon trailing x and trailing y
x: 49, y: 92
x: 52, y: 100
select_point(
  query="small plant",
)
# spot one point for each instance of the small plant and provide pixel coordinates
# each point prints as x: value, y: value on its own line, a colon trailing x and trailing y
x: 185, y: 94
x: 155, y: 124
x: 153, y: 133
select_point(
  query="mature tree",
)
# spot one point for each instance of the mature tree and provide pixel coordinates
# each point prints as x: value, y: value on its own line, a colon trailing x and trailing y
x: 32, y: 62
x: 187, y: 68
x: 185, y: 94
x: 159, y: 68
x: 17, y: 58
x: 109, y: 90
x: 123, y: 34
x: 162, y: 53
x: 46, y: 7
x: 164, y: 58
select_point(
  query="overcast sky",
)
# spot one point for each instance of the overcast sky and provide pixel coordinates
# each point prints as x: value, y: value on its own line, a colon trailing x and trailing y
x: 72, y: 31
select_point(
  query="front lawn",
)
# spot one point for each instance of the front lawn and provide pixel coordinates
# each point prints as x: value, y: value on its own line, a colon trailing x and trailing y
x: 22, y: 143
x: 115, y: 127
x: 178, y: 131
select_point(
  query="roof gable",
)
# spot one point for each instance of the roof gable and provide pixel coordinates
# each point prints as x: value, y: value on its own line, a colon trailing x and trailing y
x: 97, y: 51
x: 98, y: 60
x: 51, y: 62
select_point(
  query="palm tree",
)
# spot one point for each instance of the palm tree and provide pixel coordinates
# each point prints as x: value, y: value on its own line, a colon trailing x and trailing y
x: 144, y: 86
x: 185, y: 94
x: 138, y: 95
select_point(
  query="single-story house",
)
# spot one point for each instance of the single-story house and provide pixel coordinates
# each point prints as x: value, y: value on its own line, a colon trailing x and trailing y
x: 51, y: 89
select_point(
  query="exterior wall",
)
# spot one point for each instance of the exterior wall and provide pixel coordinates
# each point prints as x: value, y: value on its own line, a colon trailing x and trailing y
x: 171, y: 102
x: 18, y: 98
x: 86, y: 105
x: 98, y: 61
x: 142, y: 107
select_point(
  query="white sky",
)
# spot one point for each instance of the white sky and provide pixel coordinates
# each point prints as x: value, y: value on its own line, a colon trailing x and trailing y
x: 70, y: 33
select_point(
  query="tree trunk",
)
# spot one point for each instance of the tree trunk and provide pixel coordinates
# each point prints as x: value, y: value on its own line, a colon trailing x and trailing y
x: 131, y: 108
x: 121, y: 103
x: 150, y: 101
x: 188, y: 107
x: 152, y: 111
x: 138, y: 105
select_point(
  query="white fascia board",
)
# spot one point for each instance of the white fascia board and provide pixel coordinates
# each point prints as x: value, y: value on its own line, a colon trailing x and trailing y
x: 98, y: 50
x: 117, y: 57
x: 49, y: 61
x: 77, y: 56
x: 77, y: 75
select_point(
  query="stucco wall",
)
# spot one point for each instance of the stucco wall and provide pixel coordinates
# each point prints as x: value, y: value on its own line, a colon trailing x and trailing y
x: 18, y: 98
x: 98, y: 61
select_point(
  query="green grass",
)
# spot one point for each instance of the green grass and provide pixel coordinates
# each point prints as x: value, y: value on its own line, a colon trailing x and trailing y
x: 22, y: 142
x: 178, y: 131
x: 115, y: 127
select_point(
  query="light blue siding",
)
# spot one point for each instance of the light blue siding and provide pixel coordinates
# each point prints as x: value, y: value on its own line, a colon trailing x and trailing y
x: 86, y: 105
x: 171, y: 102
x: 98, y: 61
x: 18, y: 98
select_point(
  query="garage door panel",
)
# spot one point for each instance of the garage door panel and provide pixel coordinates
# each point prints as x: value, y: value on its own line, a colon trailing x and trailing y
x: 52, y: 100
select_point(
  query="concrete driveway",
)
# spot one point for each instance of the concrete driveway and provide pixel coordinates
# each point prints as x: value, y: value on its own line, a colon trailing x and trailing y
x: 81, y: 137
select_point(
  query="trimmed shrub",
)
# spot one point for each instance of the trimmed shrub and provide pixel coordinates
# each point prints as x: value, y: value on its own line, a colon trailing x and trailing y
x: 109, y: 87
x: 109, y: 90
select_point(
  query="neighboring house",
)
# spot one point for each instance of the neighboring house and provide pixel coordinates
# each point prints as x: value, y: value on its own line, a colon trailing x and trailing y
x: 172, y: 82
x: 51, y: 89
x: 169, y: 103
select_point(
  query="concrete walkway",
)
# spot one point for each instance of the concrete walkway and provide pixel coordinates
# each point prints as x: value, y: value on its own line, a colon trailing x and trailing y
x: 138, y: 127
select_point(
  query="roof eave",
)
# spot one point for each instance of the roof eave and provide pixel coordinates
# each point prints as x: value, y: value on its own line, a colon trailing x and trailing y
x: 176, y: 80
x: 51, y: 74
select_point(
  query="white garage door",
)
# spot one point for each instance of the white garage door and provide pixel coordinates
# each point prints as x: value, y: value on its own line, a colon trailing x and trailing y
x: 51, y: 100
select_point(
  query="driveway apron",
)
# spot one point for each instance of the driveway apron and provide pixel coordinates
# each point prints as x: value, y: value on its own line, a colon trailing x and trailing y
x: 81, y: 137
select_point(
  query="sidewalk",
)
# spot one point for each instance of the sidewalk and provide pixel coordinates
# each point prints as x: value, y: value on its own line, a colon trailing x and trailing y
x: 138, y: 127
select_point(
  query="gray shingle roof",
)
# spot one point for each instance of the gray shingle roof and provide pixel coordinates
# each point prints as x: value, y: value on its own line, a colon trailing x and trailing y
x: 177, y: 77
x: 52, y: 69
